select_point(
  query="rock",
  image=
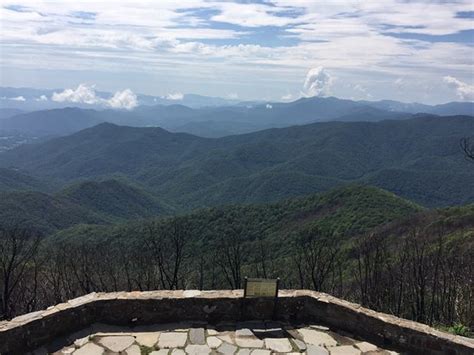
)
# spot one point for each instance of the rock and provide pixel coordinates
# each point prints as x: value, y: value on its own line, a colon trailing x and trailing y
x: 319, y: 327
x: 178, y: 352
x: 214, y: 342
x: 227, y: 349
x: 195, y: 349
x: 344, y: 350
x: 300, y: 345
x: 147, y: 339
x: 244, y: 332
x: 116, y: 343
x: 244, y: 352
x: 211, y: 331
x: 81, y: 341
x: 172, y: 340
x: 161, y: 352
x: 278, y: 345
x: 316, y: 337
x: 365, y: 346
x: 90, y: 349
x: 316, y: 350
x: 133, y: 350
x: 197, y: 336
x: 260, y: 352
x: 249, y: 342
x: 294, y: 334
x: 67, y: 350
x: 191, y: 293
x: 227, y: 338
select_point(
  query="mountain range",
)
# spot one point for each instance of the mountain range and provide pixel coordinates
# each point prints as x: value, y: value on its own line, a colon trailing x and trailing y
x: 417, y: 158
x: 221, y: 121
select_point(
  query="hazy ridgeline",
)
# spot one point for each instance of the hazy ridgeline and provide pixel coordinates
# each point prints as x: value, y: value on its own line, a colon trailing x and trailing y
x: 358, y: 243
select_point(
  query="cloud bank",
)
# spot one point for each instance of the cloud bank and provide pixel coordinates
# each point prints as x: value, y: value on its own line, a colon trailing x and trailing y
x: 86, y: 94
x: 317, y: 82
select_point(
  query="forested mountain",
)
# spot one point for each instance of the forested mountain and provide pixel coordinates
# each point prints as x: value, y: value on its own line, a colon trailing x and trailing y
x: 104, y: 202
x: 417, y: 158
x: 13, y: 180
x: 115, y: 198
x: 357, y: 242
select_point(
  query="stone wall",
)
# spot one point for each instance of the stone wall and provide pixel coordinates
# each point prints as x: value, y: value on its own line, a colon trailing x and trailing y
x: 32, y: 330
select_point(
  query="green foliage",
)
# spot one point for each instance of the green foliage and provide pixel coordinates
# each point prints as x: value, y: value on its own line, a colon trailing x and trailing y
x: 459, y: 329
x: 343, y: 213
x: 418, y: 159
x: 105, y: 202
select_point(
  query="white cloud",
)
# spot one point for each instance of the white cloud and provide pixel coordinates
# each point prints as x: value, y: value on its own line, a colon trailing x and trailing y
x: 353, y: 38
x: 317, y: 82
x: 86, y: 94
x: 286, y: 97
x: 125, y: 99
x: 41, y: 98
x: 464, y: 90
x: 232, y: 96
x: 175, y: 96
x: 17, y: 98
x: 268, y: 106
x: 83, y: 94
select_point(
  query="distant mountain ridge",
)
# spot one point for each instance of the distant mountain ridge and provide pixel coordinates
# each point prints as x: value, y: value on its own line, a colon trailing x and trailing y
x: 417, y: 158
x: 226, y: 120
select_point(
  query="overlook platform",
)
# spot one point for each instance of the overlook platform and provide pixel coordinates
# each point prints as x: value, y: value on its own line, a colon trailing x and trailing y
x: 201, y: 338
x: 204, y: 322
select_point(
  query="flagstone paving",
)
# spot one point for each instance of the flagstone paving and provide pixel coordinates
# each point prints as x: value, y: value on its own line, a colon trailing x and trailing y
x: 198, y: 338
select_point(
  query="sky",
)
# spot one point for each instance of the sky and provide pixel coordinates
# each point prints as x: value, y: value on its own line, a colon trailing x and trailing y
x: 277, y: 50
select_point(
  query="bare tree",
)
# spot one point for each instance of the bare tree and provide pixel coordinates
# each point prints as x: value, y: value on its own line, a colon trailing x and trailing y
x: 315, y: 258
x: 467, y: 147
x: 18, y: 247
x: 229, y: 258
x: 371, y: 256
x: 168, y: 245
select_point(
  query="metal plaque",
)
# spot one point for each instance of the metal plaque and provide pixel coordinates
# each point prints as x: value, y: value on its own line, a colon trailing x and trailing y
x: 261, y: 287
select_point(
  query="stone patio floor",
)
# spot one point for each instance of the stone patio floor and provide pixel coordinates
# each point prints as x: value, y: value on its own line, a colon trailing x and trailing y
x: 195, y: 338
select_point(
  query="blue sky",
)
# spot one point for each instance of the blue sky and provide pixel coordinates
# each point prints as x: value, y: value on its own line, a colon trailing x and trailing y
x: 267, y: 50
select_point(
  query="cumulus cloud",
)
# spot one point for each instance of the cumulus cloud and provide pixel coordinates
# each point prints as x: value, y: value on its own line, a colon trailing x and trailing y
x: 123, y: 99
x: 17, y: 98
x: 463, y: 90
x: 83, y: 94
x: 317, y: 82
x: 42, y: 98
x: 86, y: 94
x: 176, y: 96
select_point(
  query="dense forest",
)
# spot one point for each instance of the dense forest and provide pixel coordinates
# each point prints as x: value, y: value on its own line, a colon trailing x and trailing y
x: 359, y: 243
x: 418, y: 159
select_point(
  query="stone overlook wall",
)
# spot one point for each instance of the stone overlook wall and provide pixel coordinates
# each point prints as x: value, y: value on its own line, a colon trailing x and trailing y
x: 32, y: 330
